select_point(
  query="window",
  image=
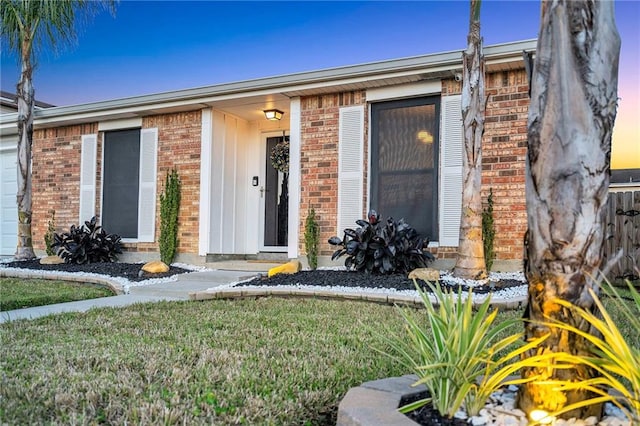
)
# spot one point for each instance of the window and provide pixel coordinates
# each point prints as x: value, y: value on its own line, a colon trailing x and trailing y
x: 129, y: 183
x: 404, y: 161
x: 121, y: 182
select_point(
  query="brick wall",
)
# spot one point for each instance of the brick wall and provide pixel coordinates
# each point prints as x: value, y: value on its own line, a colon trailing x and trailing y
x: 56, y: 178
x: 178, y: 146
x: 504, y: 149
x: 503, y: 163
x: 56, y: 175
x: 319, y: 161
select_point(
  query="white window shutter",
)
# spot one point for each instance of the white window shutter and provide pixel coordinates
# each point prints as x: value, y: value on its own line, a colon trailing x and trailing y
x: 88, y: 155
x: 451, y: 149
x: 350, y: 167
x: 147, y: 189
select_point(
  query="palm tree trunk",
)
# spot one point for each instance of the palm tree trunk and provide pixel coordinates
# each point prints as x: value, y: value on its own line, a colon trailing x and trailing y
x: 470, y: 261
x: 573, y: 108
x: 25, y: 97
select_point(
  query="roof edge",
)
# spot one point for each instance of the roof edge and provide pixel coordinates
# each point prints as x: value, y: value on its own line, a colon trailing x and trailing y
x: 281, y: 82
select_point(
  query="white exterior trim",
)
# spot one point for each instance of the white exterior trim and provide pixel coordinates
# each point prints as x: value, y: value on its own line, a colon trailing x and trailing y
x: 88, y: 165
x: 295, y: 127
x: 206, y: 141
x: 405, y: 91
x: 147, y: 190
x: 350, y: 166
x: 125, y: 123
x: 450, y: 178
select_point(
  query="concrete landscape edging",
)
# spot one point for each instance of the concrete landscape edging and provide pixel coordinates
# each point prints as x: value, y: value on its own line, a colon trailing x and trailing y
x: 383, y: 298
x: 103, y: 281
x: 376, y: 402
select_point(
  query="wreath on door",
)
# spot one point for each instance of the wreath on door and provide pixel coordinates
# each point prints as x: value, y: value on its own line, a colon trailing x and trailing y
x: 280, y: 157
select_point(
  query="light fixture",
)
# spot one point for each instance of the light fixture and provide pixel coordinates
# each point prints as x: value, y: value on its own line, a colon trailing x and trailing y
x: 425, y: 137
x: 273, y: 114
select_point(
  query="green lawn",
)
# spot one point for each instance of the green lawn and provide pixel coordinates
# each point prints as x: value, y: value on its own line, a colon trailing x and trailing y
x: 264, y: 361
x: 16, y: 293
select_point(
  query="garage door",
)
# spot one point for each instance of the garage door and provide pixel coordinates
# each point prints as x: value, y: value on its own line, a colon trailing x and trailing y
x: 8, y: 208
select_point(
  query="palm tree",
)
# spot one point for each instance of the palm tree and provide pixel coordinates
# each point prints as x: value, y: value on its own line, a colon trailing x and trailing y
x: 26, y: 26
x: 470, y: 260
x: 571, y: 116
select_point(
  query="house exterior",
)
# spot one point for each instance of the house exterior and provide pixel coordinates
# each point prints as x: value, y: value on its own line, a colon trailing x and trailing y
x: 385, y: 135
x: 8, y: 178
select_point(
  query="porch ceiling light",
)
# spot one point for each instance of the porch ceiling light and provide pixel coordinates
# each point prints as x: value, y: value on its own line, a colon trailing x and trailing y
x: 273, y: 114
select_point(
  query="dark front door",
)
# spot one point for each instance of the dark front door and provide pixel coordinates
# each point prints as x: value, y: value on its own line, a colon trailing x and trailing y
x: 404, y: 157
x: 276, y: 201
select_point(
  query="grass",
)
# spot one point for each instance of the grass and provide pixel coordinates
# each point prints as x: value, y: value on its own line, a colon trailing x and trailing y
x: 20, y: 293
x: 264, y: 361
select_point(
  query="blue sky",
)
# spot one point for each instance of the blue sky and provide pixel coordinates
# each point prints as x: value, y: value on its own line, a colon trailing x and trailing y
x: 155, y: 46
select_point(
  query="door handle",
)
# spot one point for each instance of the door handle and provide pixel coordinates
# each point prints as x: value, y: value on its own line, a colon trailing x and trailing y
x: 262, y: 191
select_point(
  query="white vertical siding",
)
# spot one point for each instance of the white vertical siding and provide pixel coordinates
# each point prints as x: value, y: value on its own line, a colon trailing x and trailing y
x: 217, y: 182
x: 205, y: 183
x: 451, y: 149
x: 350, y: 166
x: 229, y: 182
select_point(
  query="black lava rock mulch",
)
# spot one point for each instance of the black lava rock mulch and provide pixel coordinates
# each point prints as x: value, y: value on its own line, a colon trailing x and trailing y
x: 328, y: 278
x: 130, y: 271
x: 427, y: 415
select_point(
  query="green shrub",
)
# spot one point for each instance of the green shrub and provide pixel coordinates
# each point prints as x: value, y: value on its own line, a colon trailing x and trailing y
x: 460, y: 346
x: 382, y: 247
x: 488, y: 231
x: 48, y: 236
x: 311, y: 238
x: 169, y: 209
x: 88, y: 243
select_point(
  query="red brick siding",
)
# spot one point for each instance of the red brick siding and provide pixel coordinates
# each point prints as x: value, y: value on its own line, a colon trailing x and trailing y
x: 319, y: 161
x: 56, y: 175
x: 504, y: 150
x: 179, y: 137
x: 504, y: 147
x: 56, y: 178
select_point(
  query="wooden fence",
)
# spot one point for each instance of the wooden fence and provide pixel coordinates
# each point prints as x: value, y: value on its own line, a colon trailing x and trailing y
x: 623, y: 233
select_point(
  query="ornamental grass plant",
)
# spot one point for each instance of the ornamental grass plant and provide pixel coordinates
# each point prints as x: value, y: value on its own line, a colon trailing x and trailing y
x: 615, y: 356
x: 462, y: 354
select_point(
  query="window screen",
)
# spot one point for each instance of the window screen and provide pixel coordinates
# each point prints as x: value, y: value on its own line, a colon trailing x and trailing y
x: 121, y: 182
x: 404, y: 162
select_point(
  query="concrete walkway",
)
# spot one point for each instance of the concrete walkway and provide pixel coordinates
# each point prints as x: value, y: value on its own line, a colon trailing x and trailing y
x: 194, y: 282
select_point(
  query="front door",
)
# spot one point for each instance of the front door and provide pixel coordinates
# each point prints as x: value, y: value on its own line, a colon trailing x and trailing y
x: 276, y: 194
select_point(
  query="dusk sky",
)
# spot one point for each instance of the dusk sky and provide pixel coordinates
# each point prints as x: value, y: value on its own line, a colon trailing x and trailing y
x: 156, y: 46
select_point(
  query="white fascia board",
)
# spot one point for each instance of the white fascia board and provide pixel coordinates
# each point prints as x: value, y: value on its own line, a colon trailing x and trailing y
x: 311, y: 79
x: 403, y: 91
x: 125, y: 123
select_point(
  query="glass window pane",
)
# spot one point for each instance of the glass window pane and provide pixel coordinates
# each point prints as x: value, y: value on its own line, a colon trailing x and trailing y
x: 404, y: 162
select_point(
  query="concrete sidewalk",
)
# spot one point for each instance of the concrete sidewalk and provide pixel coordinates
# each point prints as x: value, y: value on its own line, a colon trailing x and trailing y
x: 173, y: 290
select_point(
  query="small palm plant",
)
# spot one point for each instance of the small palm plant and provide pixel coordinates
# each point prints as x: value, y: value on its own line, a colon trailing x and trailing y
x: 460, y: 346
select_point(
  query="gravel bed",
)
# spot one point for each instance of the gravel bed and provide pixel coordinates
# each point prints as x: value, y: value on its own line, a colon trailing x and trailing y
x: 129, y: 271
x: 501, y: 286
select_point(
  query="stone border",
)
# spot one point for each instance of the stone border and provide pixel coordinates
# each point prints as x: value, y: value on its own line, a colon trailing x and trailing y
x: 377, y: 402
x: 383, y: 298
x: 103, y: 281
